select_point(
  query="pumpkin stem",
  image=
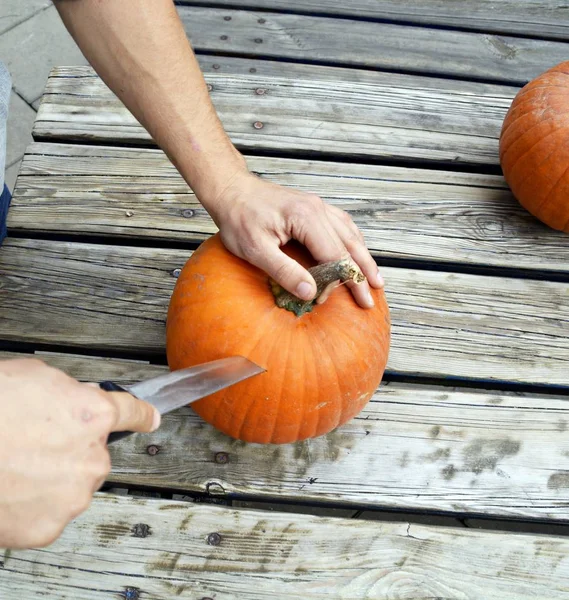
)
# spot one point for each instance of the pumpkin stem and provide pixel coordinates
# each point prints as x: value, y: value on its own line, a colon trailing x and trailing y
x: 324, y: 275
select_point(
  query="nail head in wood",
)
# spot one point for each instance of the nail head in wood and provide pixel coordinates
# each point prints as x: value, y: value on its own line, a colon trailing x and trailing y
x: 176, y: 273
x: 152, y: 450
x: 258, y: 125
x: 216, y: 67
x: 141, y: 530
x: 209, y: 87
x: 260, y: 91
x: 258, y: 40
x: 129, y: 213
x: 188, y: 213
x: 214, y: 539
x: 228, y: 18
x: 131, y: 593
x: 223, y: 37
x: 262, y: 21
x: 222, y: 458
x: 252, y: 70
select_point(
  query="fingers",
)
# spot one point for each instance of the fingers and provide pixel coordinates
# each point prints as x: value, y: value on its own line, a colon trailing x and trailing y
x: 289, y: 274
x: 330, y: 235
x: 327, y: 291
x: 255, y: 230
x: 354, y: 242
x: 315, y: 230
x: 361, y: 294
x: 133, y: 414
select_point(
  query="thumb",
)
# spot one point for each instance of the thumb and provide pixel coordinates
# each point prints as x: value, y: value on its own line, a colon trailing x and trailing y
x: 133, y: 414
x: 289, y: 274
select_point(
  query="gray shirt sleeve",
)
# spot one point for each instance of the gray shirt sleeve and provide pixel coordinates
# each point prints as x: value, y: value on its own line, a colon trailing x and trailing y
x: 5, y: 87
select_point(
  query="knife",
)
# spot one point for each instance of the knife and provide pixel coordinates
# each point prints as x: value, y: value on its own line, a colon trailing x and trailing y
x: 178, y: 388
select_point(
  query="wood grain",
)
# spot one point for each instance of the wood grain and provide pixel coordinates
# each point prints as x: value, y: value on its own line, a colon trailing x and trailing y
x: 372, y: 117
x: 406, y: 213
x: 539, y: 18
x: 434, y: 51
x: 94, y: 368
x: 412, y: 448
x: 270, y: 556
x: 445, y: 324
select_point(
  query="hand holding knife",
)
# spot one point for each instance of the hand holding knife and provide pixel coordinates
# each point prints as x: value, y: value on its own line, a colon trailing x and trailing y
x: 179, y: 388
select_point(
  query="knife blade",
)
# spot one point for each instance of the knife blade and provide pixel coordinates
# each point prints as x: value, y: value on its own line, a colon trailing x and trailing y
x: 182, y: 387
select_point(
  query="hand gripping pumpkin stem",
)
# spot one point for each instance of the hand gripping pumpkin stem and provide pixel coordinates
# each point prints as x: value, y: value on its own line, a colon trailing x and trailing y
x: 325, y: 274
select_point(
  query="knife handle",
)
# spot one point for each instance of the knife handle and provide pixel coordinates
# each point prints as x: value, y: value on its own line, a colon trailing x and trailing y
x: 109, y: 386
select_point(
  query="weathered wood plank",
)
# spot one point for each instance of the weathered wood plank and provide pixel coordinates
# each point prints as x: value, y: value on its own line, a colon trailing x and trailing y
x: 412, y: 448
x: 445, y: 324
x: 540, y: 18
x: 436, y: 51
x: 372, y: 117
x: 405, y: 213
x: 220, y: 63
x: 260, y: 555
x: 94, y: 368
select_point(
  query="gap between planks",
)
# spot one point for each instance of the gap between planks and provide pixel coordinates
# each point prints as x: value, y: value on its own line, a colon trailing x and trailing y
x: 541, y: 19
x: 304, y: 109
x: 412, y: 448
x: 402, y: 48
x: 158, y: 549
x: 116, y: 297
x: 407, y: 215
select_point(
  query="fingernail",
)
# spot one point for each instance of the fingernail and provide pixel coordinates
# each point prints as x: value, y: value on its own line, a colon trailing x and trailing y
x: 369, y: 300
x: 156, y: 420
x: 380, y: 280
x: 304, y: 291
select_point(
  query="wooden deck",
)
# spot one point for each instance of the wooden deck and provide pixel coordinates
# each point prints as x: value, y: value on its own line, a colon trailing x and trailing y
x: 454, y: 481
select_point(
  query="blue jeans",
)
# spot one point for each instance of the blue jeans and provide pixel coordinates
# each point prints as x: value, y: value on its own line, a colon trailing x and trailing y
x: 5, y: 198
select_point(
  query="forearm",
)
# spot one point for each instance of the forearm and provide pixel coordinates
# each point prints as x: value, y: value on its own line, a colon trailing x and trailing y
x: 140, y: 49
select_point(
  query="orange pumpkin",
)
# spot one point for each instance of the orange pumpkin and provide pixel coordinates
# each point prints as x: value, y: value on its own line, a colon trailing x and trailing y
x: 322, y: 366
x: 534, y: 147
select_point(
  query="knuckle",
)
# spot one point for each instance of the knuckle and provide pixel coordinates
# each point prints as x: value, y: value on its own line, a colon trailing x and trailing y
x: 353, y: 237
x: 314, y: 204
x: 145, y: 414
x: 106, y: 408
x: 107, y: 466
x: 40, y: 532
x: 283, y: 272
x: 54, y: 374
x: 101, y: 467
x: 41, y: 369
x: 315, y: 200
x: 95, y: 470
x: 34, y: 363
x: 305, y: 207
x: 45, y: 534
x: 78, y: 503
x: 296, y: 209
x: 303, y: 217
x: 251, y: 248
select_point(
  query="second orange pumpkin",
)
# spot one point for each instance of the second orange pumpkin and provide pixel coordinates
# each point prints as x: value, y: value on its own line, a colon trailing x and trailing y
x: 534, y: 147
